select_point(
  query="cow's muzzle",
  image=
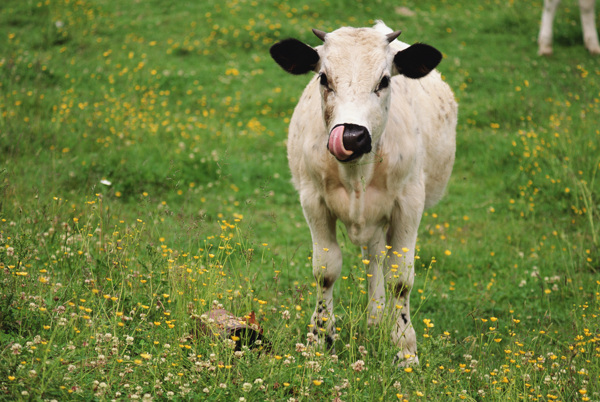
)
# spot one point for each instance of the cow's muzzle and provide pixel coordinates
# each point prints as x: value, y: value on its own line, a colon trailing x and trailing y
x: 349, y: 141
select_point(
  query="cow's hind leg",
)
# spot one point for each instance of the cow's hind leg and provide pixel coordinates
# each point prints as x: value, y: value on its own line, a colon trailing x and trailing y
x: 327, y: 266
x: 588, y: 24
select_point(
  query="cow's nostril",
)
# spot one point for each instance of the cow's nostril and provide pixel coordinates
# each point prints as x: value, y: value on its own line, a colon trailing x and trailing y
x: 357, y: 139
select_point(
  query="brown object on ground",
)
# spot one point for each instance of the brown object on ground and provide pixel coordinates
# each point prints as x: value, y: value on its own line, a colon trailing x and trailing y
x: 244, y: 331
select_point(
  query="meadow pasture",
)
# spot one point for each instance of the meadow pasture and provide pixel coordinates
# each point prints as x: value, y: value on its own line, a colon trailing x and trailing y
x: 143, y: 180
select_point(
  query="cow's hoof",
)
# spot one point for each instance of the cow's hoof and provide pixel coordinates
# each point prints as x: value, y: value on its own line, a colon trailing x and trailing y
x: 325, y: 345
x: 545, y: 50
x: 406, y: 360
x: 322, y: 341
x: 594, y: 50
x: 374, y: 319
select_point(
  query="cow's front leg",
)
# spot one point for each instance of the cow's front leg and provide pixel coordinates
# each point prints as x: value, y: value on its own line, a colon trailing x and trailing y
x: 401, y: 284
x: 375, y: 257
x: 400, y: 275
x: 327, y: 266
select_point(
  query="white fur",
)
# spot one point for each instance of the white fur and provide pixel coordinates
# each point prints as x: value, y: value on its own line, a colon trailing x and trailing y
x: 380, y: 197
x: 588, y: 24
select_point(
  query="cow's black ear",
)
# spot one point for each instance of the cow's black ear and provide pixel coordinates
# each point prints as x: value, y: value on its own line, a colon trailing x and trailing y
x: 417, y: 60
x: 294, y: 56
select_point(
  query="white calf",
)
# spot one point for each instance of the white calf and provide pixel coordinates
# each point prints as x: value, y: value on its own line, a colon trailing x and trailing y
x: 588, y: 24
x: 372, y: 151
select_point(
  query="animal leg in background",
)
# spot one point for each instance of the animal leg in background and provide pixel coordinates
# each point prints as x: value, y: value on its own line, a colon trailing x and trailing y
x: 545, y: 35
x: 588, y: 25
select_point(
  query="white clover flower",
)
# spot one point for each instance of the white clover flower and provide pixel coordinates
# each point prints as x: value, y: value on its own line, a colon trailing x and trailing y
x: 358, y: 366
x: 16, y: 348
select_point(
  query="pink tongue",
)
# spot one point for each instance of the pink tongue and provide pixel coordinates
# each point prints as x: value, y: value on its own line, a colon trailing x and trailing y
x: 336, y: 143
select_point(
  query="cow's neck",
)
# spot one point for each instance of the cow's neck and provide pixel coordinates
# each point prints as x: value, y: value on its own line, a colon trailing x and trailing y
x: 356, y: 177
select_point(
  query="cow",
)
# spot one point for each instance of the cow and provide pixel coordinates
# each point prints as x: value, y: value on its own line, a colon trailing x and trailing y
x: 588, y: 24
x: 371, y: 143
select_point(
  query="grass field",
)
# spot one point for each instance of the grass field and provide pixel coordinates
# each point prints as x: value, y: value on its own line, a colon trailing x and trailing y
x: 143, y: 179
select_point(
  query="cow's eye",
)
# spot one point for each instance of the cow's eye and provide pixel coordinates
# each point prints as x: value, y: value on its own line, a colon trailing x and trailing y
x: 323, y: 81
x: 384, y: 83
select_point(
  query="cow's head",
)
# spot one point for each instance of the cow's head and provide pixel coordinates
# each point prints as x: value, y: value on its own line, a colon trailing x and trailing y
x: 354, y: 67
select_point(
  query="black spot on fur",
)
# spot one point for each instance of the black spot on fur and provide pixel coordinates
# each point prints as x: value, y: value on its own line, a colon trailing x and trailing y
x: 401, y: 290
x: 329, y: 342
x: 326, y: 282
x: 403, y: 315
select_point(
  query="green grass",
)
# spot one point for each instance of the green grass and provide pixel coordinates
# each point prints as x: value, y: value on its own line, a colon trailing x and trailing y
x: 143, y: 178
